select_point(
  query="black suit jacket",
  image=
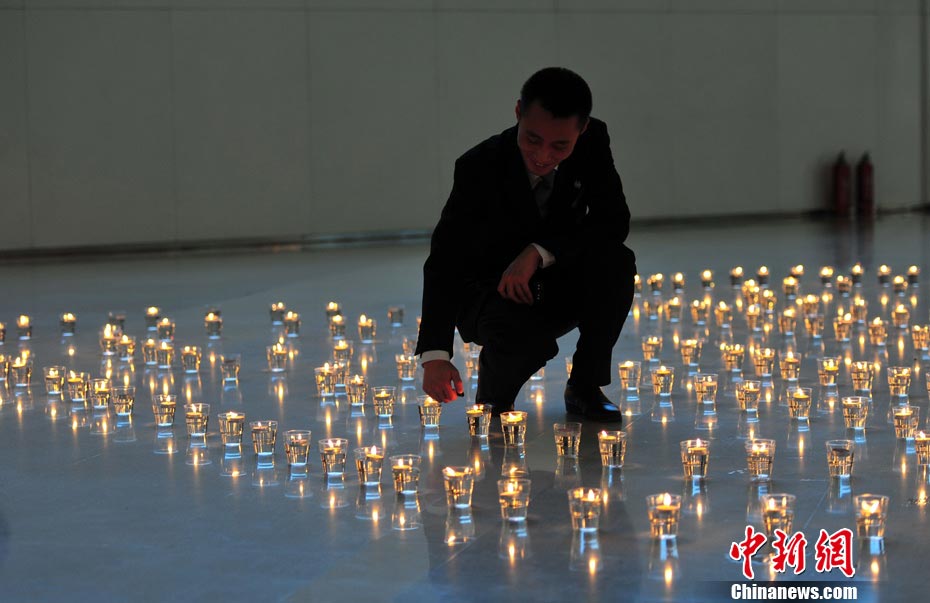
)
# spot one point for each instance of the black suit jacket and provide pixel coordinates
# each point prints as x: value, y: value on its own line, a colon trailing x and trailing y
x: 491, y: 216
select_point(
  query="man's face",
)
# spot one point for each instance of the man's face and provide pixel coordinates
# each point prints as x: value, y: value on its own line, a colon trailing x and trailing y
x: 544, y: 140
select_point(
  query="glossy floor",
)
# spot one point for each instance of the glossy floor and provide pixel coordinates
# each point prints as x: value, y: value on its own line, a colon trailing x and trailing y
x: 94, y: 508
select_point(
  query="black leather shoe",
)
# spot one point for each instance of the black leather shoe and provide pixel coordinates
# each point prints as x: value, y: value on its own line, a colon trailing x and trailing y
x: 591, y: 403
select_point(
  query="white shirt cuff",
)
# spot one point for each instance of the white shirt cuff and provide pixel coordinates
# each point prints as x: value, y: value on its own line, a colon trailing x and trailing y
x: 434, y: 355
x: 547, y: 258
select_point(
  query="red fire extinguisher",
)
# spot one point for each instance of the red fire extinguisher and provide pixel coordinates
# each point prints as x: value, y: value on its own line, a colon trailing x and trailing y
x: 865, y: 187
x: 842, y: 193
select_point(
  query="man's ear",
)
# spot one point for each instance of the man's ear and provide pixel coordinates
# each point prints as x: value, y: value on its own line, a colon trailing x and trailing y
x: 517, y: 110
x: 585, y: 126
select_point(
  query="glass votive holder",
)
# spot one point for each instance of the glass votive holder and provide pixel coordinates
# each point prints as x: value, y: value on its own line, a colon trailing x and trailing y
x: 699, y: 312
x: 77, y: 385
x: 276, y: 312
x: 165, y: 330
x: 584, y: 504
x: 652, y: 348
x: 292, y: 324
x: 747, y: 395
x: 343, y: 351
x: 814, y: 325
x: 109, y: 338
x: 369, y: 461
x: 152, y: 315
x: 861, y: 373
x: 126, y: 348
x: 810, y: 304
x: 333, y: 455
x: 396, y: 316
x: 673, y: 309
x: 840, y: 457
x: 764, y: 361
x: 405, y: 469
x: 695, y: 455
x: 705, y: 387
x: 460, y: 483
x: 100, y: 393
x: 844, y: 284
x: 905, y: 418
x: 788, y: 321
x: 163, y: 408
x: 384, y: 397
x: 123, y: 399
x: 231, y: 425
x: 899, y: 380
x: 190, y: 359
x: 855, y: 412
x: 264, y: 436
x: 790, y: 367
x: 367, y: 328
x: 54, y: 379
x: 871, y: 511
x: 567, y: 438
x: 479, y: 419
x: 733, y: 355
x: 165, y: 355
x: 229, y: 367
x: 612, y: 446
x: 920, y: 337
x: 325, y: 379
x: 430, y: 411
x: 860, y: 310
x: 878, y: 332
x: 777, y: 513
x: 66, y: 324
x: 24, y: 327
x: 842, y: 327
x: 690, y: 352
x: 922, y: 447
x: 514, y: 497
x: 21, y: 371
x: 754, y: 317
x: 277, y: 357
x: 150, y: 352
x: 213, y: 325
x: 630, y: 374
x: 650, y: 309
x: 723, y: 314
x: 513, y: 426
x: 297, y: 449
x: 356, y: 390
x: 664, y: 511
x: 799, y: 403
x: 828, y: 368
x: 900, y: 316
x: 663, y: 380
x: 197, y: 418
x: 340, y: 373
x: 337, y: 326
x: 406, y: 366
x: 760, y: 455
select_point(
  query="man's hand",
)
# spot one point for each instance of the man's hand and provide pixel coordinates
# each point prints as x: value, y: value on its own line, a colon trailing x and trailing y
x: 515, y: 282
x: 437, y: 377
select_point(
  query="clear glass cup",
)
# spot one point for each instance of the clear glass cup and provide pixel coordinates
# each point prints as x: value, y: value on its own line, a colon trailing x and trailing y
x: 231, y: 425
x: 612, y: 446
x: 297, y: 449
x: 384, y: 398
x: 840, y: 457
x: 695, y: 455
x: 406, y: 367
x: 264, y: 436
x: 123, y: 399
x: 190, y: 359
x: 690, y: 352
x: 368, y: 462
x: 630, y: 374
x: 479, y: 419
x: 906, y: 418
x: 163, y: 409
x: 828, y: 368
x: 514, y: 497
x: 54, y: 379
x: 164, y: 354
x: 652, y: 348
x: 584, y: 504
x: 664, y: 511
x: 513, y: 426
x: 922, y: 447
x: 760, y: 456
x: 100, y: 393
x: 705, y: 387
x: 799, y: 403
x: 459, y: 483
x: 325, y: 378
x: 277, y: 358
x: 430, y: 411
x: 862, y: 375
x: 197, y: 418
x: 663, y: 380
x: 777, y: 513
x: 747, y: 395
x: 871, y: 511
x: 567, y: 438
x: 405, y: 469
x: 855, y: 412
x: 333, y: 455
x: 899, y: 380
x: 396, y: 316
x: 790, y: 367
x: 229, y: 367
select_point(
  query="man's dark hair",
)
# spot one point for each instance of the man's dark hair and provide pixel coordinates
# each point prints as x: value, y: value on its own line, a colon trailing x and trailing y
x: 559, y: 91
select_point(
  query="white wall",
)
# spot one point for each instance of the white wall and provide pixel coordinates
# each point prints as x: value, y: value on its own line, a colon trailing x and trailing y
x: 138, y: 121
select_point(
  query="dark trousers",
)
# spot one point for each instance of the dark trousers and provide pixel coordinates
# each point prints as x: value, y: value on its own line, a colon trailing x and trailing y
x: 593, y: 293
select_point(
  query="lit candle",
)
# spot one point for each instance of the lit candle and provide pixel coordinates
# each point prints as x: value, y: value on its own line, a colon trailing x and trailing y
x: 67, y: 324
x: 213, y: 325
x: 856, y: 273
x: 333, y: 309
x: 638, y: 283
x: 843, y: 284
x: 149, y: 351
x: 673, y: 309
x: 337, y: 326
x: 736, y: 276
x: 126, y: 347
x: 790, y: 286
x: 366, y: 329
x: 884, y: 274
x: 276, y: 312
x: 678, y: 281
x: 108, y: 340
x: 913, y: 275
x: 292, y: 324
x: 707, y: 279
x: 165, y: 329
x: 826, y: 275
x: 763, y: 275
x: 24, y: 327
x: 900, y: 316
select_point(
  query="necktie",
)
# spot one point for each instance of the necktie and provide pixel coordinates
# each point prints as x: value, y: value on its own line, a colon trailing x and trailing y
x: 542, y: 191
